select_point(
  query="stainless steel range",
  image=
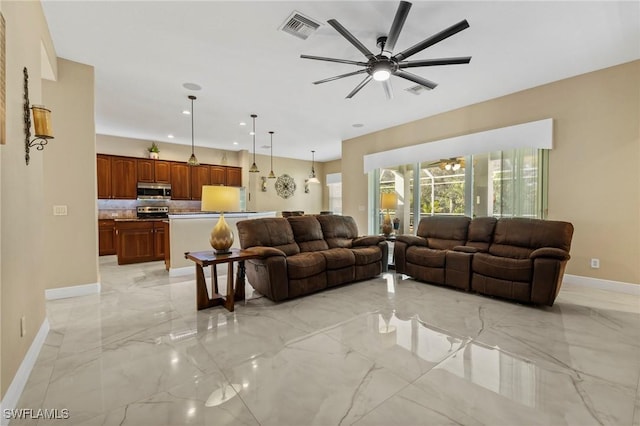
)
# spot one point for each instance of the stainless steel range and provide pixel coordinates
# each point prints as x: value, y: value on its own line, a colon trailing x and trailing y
x: 152, y: 212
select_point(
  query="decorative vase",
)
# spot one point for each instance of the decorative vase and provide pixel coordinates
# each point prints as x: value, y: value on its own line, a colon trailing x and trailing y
x: 154, y: 155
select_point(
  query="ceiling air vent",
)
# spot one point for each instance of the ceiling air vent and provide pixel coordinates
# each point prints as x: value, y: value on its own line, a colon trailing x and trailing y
x: 299, y: 25
x: 416, y: 90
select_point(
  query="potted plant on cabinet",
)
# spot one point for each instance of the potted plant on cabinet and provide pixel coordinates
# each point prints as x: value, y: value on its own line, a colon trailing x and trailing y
x: 154, y: 151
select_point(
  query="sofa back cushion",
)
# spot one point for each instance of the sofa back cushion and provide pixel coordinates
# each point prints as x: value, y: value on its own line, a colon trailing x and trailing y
x: 338, y: 231
x: 518, y: 237
x: 444, y: 232
x: 480, y: 232
x: 307, y: 233
x: 269, y: 232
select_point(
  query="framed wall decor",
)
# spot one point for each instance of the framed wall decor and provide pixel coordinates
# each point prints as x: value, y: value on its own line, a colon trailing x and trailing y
x: 285, y: 186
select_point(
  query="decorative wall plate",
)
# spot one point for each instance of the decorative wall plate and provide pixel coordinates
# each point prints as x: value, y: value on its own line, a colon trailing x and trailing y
x: 285, y: 186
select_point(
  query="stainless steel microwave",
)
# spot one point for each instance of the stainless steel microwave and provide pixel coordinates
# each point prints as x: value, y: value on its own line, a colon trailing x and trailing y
x: 154, y: 191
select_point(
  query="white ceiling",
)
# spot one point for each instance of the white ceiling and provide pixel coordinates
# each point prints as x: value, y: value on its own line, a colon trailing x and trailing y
x: 144, y: 51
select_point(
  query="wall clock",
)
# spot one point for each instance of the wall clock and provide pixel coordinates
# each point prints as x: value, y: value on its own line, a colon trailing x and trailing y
x: 285, y: 186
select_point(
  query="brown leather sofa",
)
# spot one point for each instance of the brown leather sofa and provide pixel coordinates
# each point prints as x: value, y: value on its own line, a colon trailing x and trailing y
x: 305, y: 254
x: 513, y: 258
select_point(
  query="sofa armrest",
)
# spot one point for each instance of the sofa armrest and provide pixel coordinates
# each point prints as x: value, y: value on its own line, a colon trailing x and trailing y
x: 465, y: 249
x: 368, y: 240
x: 552, y: 252
x: 412, y: 240
x: 263, y: 251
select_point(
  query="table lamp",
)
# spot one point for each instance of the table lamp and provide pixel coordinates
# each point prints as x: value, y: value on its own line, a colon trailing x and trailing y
x: 388, y: 200
x: 220, y: 199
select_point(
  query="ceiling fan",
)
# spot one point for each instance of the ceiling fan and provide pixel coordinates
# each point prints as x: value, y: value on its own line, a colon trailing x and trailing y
x: 381, y: 67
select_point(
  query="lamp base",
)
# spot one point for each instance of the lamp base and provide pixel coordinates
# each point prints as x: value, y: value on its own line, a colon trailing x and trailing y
x: 221, y: 236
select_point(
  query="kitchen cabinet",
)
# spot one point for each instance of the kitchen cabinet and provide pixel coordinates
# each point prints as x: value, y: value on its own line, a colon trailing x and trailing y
x: 200, y: 175
x: 140, y: 241
x: 124, y: 178
x: 153, y: 171
x: 218, y: 175
x: 233, y: 176
x: 103, y: 163
x: 106, y: 237
x: 180, y: 181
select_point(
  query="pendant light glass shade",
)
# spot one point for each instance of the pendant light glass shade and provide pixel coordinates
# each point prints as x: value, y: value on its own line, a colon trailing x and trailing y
x: 192, y: 161
x: 254, y: 167
x: 271, y: 174
x: 312, y: 176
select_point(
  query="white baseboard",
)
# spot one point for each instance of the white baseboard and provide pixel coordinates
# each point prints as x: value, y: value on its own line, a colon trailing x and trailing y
x: 617, y: 286
x: 11, y: 398
x: 72, y: 291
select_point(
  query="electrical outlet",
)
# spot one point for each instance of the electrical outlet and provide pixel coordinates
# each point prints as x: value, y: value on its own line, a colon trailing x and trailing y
x: 23, y: 326
x: 595, y: 263
x: 59, y: 210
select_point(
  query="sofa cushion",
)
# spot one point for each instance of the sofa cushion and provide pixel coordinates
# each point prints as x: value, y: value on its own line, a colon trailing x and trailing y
x: 444, y: 232
x: 339, y: 258
x: 269, y: 232
x: 367, y: 255
x: 533, y: 233
x: 305, y: 265
x: 425, y: 256
x: 481, y: 232
x: 338, y: 231
x: 307, y: 233
x: 504, y: 268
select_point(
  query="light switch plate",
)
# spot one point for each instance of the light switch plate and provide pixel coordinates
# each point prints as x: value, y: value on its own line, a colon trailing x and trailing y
x: 59, y: 210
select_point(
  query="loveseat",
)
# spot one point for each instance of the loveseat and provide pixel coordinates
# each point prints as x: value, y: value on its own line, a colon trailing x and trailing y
x: 305, y: 254
x: 513, y: 258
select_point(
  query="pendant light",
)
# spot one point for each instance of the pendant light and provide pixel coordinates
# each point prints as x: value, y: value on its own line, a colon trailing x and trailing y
x: 271, y: 174
x: 254, y: 167
x: 312, y: 176
x: 193, y: 161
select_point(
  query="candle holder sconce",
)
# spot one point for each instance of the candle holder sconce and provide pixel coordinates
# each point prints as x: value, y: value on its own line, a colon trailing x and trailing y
x: 41, y: 122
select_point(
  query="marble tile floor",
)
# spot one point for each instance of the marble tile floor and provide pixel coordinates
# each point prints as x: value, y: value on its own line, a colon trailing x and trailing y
x: 387, y: 351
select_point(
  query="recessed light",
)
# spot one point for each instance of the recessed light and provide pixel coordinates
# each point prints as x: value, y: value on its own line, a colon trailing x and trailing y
x: 235, y: 143
x: 242, y: 123
x: 170, y: 136
x: 358, y: 125
x: 252, y: 133
x: 185, y: 112
x: 192, y: 86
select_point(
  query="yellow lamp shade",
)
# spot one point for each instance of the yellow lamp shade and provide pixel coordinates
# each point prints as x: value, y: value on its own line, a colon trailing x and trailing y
x: 388, y: 200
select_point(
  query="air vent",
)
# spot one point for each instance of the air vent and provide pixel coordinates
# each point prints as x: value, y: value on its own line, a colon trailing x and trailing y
x: 416, y: 90
x: 299, y: 25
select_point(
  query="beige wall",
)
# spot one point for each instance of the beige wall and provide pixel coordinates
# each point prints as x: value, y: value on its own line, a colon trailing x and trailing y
x: 71, y: 241
x: 130, y: 147
x: 594, y: 178
x: 22, y: 203
x: 299, y: 170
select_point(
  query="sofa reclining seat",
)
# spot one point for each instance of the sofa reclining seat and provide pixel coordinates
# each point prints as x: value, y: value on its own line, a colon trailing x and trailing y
x: 305, y: 254
x: 516, y: 258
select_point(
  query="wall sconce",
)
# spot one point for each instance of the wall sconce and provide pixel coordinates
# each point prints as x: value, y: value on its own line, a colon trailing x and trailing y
x: 263, y: 181
x: 41, y: 122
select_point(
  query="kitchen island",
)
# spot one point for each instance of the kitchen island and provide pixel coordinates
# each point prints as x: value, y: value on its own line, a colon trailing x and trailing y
x: 189, y: 232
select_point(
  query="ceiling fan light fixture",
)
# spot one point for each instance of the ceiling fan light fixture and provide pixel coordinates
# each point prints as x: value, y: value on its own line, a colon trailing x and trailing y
x: 381, y: 71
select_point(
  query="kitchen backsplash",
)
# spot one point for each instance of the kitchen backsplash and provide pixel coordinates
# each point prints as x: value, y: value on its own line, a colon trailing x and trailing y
x: 118, y: 209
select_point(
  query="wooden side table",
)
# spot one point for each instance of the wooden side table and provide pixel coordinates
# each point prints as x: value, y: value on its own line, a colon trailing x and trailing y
x: 203, y: 259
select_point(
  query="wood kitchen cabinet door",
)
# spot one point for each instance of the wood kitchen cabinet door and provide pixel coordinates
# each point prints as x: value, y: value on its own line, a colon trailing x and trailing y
x: 218, y: 175
x: 162, y: 171
x: 146, y: 170
x: 135, y: 242
x: 103, y: 163
x: 200, y: 175
x: 106, y: 237
x: 234, y: 176
x: 158, y: 241
x: 124, y: 178
x: 180, y: 181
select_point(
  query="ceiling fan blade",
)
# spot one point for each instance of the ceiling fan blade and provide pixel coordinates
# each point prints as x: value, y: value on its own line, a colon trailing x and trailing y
x: 387, y: 89
x: 340, y: 76
x: 396, y: 27
x: 416, y: 79
x: 340, y: 61
x: 359, y: 86
x: 432, y: 62
x: 452, y: 30
x: 350, y: 37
